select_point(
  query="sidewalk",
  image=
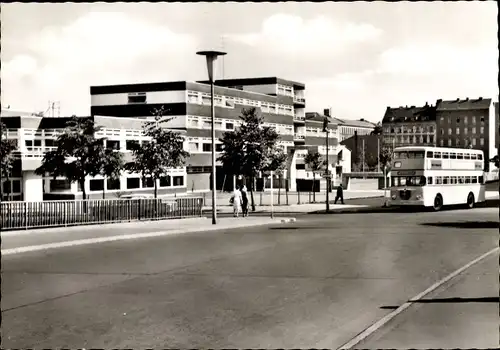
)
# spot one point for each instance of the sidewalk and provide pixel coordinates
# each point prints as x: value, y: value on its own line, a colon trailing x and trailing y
x: 32, y: 240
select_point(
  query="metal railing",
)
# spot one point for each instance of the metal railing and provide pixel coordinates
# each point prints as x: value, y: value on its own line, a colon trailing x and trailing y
x: 25, y: 215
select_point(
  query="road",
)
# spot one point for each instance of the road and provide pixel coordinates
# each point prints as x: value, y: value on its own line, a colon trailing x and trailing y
x: 315, y: 283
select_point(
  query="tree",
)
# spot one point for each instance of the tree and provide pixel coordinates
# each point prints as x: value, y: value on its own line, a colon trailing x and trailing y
x: 377, y: 130
x: 7, y: 147
x: 316, y: 164
x: 111, y: 166
x: 371, y: 160
x: 277, y: 159
x: 78, y: 155
x: 385, y: 157
x: 247, y: 150
x: 164, y: 151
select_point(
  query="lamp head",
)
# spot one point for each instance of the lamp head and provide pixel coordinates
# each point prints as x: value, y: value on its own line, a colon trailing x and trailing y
x: 211, y: 57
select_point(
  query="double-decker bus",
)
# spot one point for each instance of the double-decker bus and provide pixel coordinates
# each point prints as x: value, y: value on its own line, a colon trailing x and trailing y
x: 437, y: 176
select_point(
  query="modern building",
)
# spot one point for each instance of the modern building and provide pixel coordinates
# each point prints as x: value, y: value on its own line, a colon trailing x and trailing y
x: 467, y: 123
x: 281, y: 102
x: 408, y: 126
x: 348, y: 128
x: 37, y: 135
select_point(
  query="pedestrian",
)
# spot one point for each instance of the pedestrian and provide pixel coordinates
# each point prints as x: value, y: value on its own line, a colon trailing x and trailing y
x: 237, y: 201
x: 244, y: 200
x: 340, y: 195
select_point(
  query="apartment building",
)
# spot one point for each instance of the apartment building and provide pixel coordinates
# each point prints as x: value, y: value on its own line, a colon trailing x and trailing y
x: 409, y: 125
x: 467, y: 123
x: 35, y: 136
x: 281, y: 102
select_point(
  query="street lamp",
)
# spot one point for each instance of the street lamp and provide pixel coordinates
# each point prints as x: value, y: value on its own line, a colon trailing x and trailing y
x: 211, y: 56
x: 325, y: 129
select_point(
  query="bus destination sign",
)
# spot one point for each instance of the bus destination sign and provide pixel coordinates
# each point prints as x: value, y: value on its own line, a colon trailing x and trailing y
x: 435, y: 164
x: 478, y: 166
x: 406, y: 172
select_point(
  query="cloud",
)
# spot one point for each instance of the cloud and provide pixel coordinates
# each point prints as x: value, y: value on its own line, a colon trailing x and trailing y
x: 98, y: 48
x: 292, y: 34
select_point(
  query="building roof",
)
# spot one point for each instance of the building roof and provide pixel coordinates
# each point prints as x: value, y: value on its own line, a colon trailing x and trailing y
x: 467, y: 104
x: 361, y: 123
x: 412, y: 113
x: 257, y: 81
x: 10, y: 113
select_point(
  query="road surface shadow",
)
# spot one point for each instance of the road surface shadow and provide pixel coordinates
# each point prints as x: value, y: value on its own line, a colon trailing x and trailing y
x: 447, y: 301
x: 465, y: 224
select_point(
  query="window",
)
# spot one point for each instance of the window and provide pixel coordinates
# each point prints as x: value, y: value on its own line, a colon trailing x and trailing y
x: 481, y: 180
x: 474, y: 130
x: 449, y: 131
x: 446, y: 155
x: 113, y: 184
x: 50, y: 143
x: 466, y: 119
x: 113, y: 144
x: 473, y: 142
x: 457, y: 131
x: 429, y: 180
x: 461, y: 180
x: 96, y: 185
x: 408, y: 181
x: 148, y: 182
x: 178, y: 180
x: 453, y: 155
x: 480, y: 157
x: 300, y: 166
x: 218, y: 125
x: 165, y: 181
x: 473, y: 156
x: 446, y: 180
x: 467, y: 179
x: 457, y: 142
x: 207, y: 147
x: 460, y: 156
x: 481, y: 130
x: 229, y: 126
x: 458, y: 120
x: 453, y: 180
x: 441, y: 142
x: 439, y: 180
x: 437, y: 155
x: 416, y: 155
x: 130, y: 144
x: 473, y: 119
x: 467, y: 156
x: 207, y: 124
x: 449, y: 142
x: 429, y: 154
x: 193, y: 122
x: 474, y: 180
x: 193, y: 147
x: 219, y: 147
x: 59, y: 185
x: 139, y: 97
x: 481, y: 141
x: 466, y: 130
x: 133, y: 182
x: 482, y: 120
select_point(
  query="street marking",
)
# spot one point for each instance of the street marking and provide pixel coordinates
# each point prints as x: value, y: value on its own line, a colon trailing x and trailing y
x: 384, y: 320
x: 87, y: 241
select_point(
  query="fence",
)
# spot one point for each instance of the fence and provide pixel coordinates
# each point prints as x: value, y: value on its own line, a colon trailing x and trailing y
x: 24, y: 215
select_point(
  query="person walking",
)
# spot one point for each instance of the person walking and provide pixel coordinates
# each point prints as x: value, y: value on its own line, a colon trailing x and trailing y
x: 340, y: 195
x: 244, y: 200
x: 237, y: 201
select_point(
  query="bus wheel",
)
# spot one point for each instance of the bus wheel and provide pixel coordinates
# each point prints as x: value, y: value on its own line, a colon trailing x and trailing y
x: 470, y: 200
x: 438, y: 203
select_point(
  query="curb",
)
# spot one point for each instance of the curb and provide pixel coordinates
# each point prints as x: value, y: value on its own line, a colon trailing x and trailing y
x: 88, y: 241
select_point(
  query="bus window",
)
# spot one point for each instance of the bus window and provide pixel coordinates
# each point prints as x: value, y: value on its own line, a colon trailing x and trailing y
x: 445, y: 155
x: 453, y: 156
x: 453, y: 180
x: 474, y: 179
x: 460, y: 156
x: 430, y: 154
x: 481, y: 180
x: 473, y: 156
x: 437, y: 155
x: 416, y: 154
x: 467, y: 179
x: 461, y: 180
x: 446, y: 180
x: 429, y: 179
x: 467, y: 156
x: 439, y: 180
x: 480, y: 156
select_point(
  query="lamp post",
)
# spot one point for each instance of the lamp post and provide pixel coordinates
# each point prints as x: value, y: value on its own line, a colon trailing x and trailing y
x: 211, y: 56
x: 325, y: 129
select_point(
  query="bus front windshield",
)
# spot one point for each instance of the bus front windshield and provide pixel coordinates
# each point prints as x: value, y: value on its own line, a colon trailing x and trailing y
x: 408, y: 181
x: 409, y: 154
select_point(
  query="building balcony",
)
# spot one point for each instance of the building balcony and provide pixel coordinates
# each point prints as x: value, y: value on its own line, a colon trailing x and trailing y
x: 299, y: 119
x: 299, y: 100
x: 299, y: 138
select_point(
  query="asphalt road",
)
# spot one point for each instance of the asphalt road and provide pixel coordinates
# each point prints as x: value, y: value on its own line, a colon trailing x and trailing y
x: 315, y: 283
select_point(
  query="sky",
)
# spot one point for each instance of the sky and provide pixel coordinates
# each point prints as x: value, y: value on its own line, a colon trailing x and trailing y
x: 356, y: 58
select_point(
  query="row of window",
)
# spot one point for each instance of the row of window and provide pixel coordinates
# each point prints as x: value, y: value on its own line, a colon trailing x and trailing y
x: 349, y: 130
x: 437, y: 155
x: 285, y: 90
x: 436, y: 180
x: 404, y: 129
x: 458, y: 142
x: 465, y: 119
x: 229, y: 102
x: 413, y: 139
x: 466, y: 130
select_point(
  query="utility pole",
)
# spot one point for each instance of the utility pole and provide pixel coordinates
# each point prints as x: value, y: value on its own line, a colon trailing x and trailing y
x: 363, y: 153
x: 327, y: 172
